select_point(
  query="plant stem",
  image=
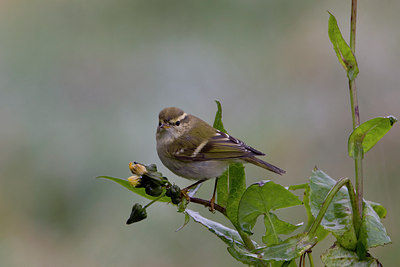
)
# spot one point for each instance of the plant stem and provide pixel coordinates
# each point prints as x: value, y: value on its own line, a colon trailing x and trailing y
x: 298, y: 186
x: 353, y: 25
x: 310, y: 259
x: 249, y: 244
x: 155, y: 200
x: 354, y: 206
x: 207, y: 203
x: 246, y: 240
x: 355, y: 111
x: 358, y: 163
x: 355, y: 114
x: 245, y: 237
x: 328, y: 200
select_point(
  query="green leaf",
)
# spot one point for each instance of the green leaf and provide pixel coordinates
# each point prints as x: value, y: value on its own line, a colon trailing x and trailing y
x: 260, y: 199
x: 222, y: 186
x: 338, y: 218
x: 187, y: 219
x: 378, y: 208
x: 368, y: 134
x: 237, y: 186
x: 229, y: 236
x: 139, y: 191
x: 222, y: 189
x: 342, y: 50
x: 289, y: 249
x: 339, y: 256
x: 240, y: 255
x: 258, y: 259
x: 372, y: 231
x: 218, y: 118
x: 274, y: 226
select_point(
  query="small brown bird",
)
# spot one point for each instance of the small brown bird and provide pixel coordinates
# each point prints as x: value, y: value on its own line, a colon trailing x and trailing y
x: 193, y: 149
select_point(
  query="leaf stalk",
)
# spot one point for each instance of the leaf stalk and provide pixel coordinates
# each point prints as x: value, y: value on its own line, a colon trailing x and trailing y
x: 328, y: 199
x: 310, y: 259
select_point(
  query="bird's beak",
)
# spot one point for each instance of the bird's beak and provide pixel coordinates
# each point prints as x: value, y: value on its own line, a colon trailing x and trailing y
x: 164, y: 126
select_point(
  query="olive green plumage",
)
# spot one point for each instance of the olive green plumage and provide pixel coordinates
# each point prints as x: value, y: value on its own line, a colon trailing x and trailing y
x: 193, y: 149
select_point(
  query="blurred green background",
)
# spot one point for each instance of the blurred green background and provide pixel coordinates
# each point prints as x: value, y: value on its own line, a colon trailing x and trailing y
x: 82, y: 83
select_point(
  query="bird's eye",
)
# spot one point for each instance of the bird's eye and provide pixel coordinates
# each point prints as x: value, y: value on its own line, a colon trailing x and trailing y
x: 177, y: 123
x: 159, y: 123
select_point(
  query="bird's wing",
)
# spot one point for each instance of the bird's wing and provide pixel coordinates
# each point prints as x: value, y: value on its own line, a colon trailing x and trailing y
x: 221, y: 146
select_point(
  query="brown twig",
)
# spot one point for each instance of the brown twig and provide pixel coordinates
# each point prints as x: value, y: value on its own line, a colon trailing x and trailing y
x: 207, y: 203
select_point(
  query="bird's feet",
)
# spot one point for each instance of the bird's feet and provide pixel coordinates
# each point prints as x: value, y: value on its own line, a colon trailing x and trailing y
x: 212, y: 202
x: 185, y: 193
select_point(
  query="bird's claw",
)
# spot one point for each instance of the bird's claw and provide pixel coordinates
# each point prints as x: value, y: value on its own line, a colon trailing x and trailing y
x: 212, y: 202
x: 185, y: 194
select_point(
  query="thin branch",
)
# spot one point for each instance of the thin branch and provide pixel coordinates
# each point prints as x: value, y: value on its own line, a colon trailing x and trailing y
x: 207, y: 203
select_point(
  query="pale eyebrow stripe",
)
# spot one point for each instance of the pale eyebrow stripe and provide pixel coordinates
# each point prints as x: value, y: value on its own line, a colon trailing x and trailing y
x: 181, y: 117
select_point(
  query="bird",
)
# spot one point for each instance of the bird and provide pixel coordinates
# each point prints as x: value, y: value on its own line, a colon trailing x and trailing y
x: 191, y: 148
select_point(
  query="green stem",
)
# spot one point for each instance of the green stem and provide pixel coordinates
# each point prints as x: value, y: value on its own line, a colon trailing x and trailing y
x: 248, y: 243
x: 245, y: 237
x: 354, y: 206
x: 246, y: 240
x: 358, y: 163
x: 352, y: 84
x: 328, y: 200
x: 353, y: 25
x: 310, y: 259
x: 355, y: 111
x: 155, y: 200
x: 298, y: 186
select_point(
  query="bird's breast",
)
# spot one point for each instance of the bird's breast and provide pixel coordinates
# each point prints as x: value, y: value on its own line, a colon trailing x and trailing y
x: 195, y: 170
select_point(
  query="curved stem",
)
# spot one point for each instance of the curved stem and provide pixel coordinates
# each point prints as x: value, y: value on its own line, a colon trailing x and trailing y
x: 246, y: 240
x: 328, y: 200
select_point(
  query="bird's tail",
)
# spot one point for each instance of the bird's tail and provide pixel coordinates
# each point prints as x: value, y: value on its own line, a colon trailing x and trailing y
x: 265, y: 165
